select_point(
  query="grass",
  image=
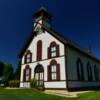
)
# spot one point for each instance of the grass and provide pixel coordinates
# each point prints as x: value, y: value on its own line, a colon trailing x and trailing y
x: 30, y: 94
x: 90, y: 96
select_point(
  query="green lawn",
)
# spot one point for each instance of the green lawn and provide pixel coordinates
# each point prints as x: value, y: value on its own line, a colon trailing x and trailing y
x: 29, y: 94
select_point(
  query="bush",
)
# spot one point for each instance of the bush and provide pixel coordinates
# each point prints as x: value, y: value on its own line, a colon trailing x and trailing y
x: 33, y: 83
x: 14, y: 83
x: 6, y: 84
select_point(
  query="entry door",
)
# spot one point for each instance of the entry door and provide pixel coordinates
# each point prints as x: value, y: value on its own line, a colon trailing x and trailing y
x: 39, y: 79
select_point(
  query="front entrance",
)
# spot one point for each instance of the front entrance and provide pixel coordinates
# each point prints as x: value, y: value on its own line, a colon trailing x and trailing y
x: 39, y: 76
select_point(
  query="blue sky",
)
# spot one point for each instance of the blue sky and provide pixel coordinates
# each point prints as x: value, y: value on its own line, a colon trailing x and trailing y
x: 78, y: 20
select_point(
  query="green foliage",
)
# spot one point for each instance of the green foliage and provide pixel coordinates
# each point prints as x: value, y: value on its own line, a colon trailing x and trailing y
x: 1, y: 68
x: 17, y: 72
x: 8, y: 74
x: 14, y: 83
x: 33, y: 83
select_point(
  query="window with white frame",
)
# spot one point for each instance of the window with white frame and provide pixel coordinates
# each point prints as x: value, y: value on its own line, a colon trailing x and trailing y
x: 28, y: 58
x: 27, y: 74
x: 53, y: 72
x: 53, y: 51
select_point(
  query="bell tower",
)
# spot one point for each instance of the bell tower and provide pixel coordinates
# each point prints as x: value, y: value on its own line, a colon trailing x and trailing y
x: 42, y: 18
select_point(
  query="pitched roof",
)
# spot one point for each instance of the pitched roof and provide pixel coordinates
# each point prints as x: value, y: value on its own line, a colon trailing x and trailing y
x: 57, y: 36
x: 42, y: 11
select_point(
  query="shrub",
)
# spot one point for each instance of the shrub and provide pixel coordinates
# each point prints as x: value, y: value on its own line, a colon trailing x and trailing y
x: 6, y: 84
x: 33, y: 83
x: 14, y: 83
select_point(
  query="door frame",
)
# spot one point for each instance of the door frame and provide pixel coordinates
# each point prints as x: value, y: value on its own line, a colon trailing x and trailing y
x: 39, y: 69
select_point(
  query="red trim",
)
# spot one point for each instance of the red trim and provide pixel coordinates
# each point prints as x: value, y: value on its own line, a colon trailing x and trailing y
x: 25, y: 57
x: 49, y: 71
x: 30, y: 73
x: 30, y: 57
x: 53, y: 44
x: 24, y: 73
x: 48, y: 52
x: 39, y: 50
x: 58, y: 72
x: 54, y: 62
x: 57, y: 52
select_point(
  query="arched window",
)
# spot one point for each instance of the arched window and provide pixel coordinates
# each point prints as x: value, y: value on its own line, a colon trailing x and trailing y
x: 39, y: 50
x: 53, y: 50
x: 96, y: 73
x: 89, y: 72
x: 28, y: 57
x: 80, y: 72
x: 27, y: 74
x: 54, y: 71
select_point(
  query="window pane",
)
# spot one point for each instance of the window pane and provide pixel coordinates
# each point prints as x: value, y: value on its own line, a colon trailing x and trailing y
x: 27, y: 72
x: 28, y: 60
x: 53, y: 54
x: 53, y: 49
x: 53, y: 76
x: 27, y: 78
x: 53, y: 68
x: 28, y: 56
x: 36, y: 76
x: 41, y: 76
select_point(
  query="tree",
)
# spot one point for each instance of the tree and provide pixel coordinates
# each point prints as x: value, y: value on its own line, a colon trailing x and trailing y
x: 8, y: 73
x: 1, y: 68
x: 18, y: 69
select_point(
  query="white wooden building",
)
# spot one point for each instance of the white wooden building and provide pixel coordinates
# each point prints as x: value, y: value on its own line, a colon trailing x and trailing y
x: 54, y: 62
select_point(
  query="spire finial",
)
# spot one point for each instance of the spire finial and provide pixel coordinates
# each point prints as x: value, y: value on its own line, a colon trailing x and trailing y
x: 43, y: 8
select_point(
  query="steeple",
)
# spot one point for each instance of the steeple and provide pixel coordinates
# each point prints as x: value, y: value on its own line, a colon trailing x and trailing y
x: 42, y: 18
